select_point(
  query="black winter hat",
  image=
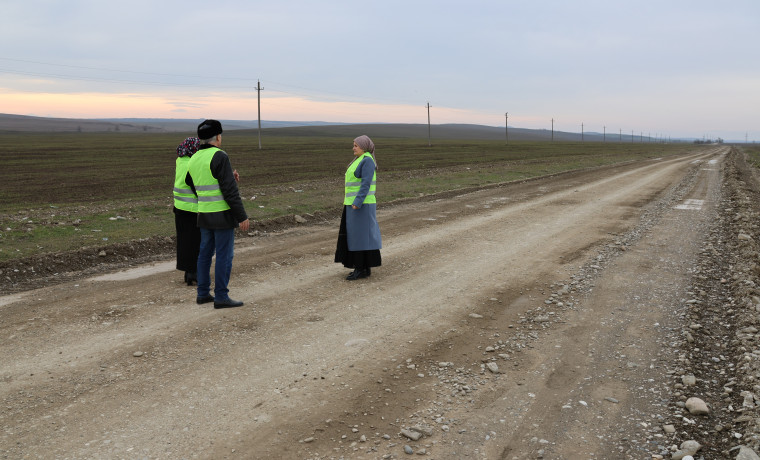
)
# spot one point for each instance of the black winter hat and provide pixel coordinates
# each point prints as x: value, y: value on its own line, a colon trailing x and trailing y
x: 209, y: 129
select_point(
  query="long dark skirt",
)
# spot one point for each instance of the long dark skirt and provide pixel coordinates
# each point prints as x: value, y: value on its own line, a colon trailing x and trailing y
x: 354, y: 259
x: 188, y: 240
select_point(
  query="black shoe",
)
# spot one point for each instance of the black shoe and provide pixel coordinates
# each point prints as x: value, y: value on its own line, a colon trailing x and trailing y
x: 228, y: 303
x: 190, y: 278
x: 358, y: 273
x: 204, y: 299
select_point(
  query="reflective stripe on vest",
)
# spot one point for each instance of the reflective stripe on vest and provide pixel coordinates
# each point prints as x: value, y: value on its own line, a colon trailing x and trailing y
x: 210, y: 197
x: 184, y: 198
x: 353, y: 183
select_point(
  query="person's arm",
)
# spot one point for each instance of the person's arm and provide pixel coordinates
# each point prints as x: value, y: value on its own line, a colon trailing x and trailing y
x: 189, y: 181
x: 365, y: 171
x: 221, y: 169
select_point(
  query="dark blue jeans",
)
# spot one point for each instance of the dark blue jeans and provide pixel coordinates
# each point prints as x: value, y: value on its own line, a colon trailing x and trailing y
x: 223, y: 243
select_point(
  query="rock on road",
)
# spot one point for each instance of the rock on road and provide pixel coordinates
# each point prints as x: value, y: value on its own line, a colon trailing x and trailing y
x: 517, y: 321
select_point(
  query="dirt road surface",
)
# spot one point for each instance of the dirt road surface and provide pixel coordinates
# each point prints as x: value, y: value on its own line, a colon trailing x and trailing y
x: 538, y: 319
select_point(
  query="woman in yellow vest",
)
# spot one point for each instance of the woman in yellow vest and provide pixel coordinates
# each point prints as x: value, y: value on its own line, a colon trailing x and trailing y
x: 186, y: 213
x: 359, y: 241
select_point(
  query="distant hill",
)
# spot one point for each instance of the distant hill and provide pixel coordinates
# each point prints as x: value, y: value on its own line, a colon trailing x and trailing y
x: 23, y: 123
x: 420, y: 131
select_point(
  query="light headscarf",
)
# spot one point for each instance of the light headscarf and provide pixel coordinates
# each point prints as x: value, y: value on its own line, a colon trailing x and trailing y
x: 366, y: 145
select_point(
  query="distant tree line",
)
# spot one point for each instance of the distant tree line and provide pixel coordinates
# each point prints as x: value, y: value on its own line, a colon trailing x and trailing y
x: 708, y: 141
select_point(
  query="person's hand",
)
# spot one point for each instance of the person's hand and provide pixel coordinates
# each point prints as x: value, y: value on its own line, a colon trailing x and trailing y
x: 236, y: 175
x: 354, y: 206
x: 245, y: 225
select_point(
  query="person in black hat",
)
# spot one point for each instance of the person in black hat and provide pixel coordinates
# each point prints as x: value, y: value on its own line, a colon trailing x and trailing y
x: 220, y: 211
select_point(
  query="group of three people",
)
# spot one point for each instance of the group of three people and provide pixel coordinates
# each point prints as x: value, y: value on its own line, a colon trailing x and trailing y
x: 208, y: 208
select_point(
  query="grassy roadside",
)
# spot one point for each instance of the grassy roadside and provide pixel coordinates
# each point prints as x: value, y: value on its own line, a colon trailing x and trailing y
x: 67, y: 191
x: 753, y: 153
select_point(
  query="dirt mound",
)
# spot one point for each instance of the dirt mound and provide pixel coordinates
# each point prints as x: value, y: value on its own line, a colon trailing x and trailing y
x: 53, y: 268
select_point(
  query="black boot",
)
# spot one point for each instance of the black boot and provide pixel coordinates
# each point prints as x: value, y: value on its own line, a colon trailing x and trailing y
x: 358, y: 273
x: 190, y: 278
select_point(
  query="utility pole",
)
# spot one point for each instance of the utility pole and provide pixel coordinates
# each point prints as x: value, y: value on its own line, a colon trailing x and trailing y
x: 632, y: 138
x: 428, y: 110
x: 552, y: 129
x: 506, y: 125
x: 621, y: 134
x: 604, y: 139
x: 258, y: 93
x: 581, y: 132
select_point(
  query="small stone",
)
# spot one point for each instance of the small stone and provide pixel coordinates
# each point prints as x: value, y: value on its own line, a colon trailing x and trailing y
x: 689, y: 380
x: 670, y: 429
x: 299, y: 219
x: 696, y: 406
x: 424, y: 429
x: 612, y: 400
x: 690, y: 447
x: 745, y: 453
x: 309, y: 439
x: 493, y: 367
x: 137, y: 354
x: 413, y: 435
x: 749, y: 399
x: 475, y: 315
x: 408, y: 450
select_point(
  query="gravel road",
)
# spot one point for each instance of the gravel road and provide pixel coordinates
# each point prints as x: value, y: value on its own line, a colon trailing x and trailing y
x: 575, y: 316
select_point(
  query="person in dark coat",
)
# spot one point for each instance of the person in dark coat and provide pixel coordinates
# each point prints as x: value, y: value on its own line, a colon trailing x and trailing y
x: 359, y: 241
x: 186, y: 213
x: 220, y: 211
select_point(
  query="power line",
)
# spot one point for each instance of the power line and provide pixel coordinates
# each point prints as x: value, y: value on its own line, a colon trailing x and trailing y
x: 506, y: 125
x: 428, y: 112
x: 259, y: 89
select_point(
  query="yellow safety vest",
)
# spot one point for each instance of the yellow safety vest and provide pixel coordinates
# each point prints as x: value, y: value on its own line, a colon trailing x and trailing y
x: 184, y: 198
x: 353, y: 183
x: 210, y: 197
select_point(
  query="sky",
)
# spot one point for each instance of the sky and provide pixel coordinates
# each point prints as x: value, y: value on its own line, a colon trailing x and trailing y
x: 667, y: 69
